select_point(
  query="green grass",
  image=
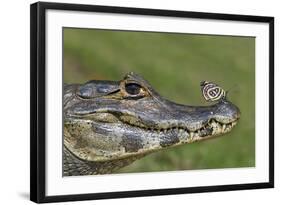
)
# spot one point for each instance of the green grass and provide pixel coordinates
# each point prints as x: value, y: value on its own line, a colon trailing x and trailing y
x: 175, y: 64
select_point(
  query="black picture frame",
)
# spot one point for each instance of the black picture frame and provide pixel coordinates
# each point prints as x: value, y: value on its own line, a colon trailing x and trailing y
x: 38, y: 100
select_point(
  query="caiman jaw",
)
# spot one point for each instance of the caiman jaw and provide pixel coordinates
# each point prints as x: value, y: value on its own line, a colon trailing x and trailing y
x: 185, y: 135
x: 212, y: 128
x: 110, y: 141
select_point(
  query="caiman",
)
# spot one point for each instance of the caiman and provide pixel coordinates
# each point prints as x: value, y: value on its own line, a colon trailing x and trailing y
x: 109, y: 125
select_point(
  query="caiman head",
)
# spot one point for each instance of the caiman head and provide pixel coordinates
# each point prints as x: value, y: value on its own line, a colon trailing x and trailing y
x: 114, y: 123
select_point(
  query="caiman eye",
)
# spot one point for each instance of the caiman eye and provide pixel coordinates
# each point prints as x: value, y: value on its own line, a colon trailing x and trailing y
x: 133, y: 88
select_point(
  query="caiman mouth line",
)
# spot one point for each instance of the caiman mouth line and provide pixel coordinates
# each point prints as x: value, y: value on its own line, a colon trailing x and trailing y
x: 212, y: 123
x: 209, y: 129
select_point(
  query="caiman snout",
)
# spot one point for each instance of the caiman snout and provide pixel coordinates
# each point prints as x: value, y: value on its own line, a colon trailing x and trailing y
x: 226, y: 112
x: 190, y: 123
x: 222, y: 117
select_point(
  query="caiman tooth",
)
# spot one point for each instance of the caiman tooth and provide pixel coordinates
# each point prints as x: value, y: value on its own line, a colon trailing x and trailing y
x: 223, y: 127
x: 191, y: 135
x: 180, y: 131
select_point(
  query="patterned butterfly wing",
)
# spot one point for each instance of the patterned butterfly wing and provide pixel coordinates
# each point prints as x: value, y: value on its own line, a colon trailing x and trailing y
x: 211, y: 91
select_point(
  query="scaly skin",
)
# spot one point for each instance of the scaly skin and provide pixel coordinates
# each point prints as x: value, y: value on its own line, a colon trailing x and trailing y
x: 108, y: 125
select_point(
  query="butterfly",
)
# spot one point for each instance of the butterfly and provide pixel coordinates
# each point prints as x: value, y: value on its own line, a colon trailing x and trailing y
x: 211, y: 91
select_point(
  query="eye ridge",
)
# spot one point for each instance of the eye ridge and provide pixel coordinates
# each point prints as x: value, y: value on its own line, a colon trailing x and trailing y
x: 133, y: 88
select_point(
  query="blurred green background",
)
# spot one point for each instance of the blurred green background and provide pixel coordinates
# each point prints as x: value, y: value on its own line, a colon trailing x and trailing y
x: 175, y: 64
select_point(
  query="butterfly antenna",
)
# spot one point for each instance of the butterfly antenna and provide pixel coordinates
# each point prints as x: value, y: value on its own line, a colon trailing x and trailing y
x: 230, y: 89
